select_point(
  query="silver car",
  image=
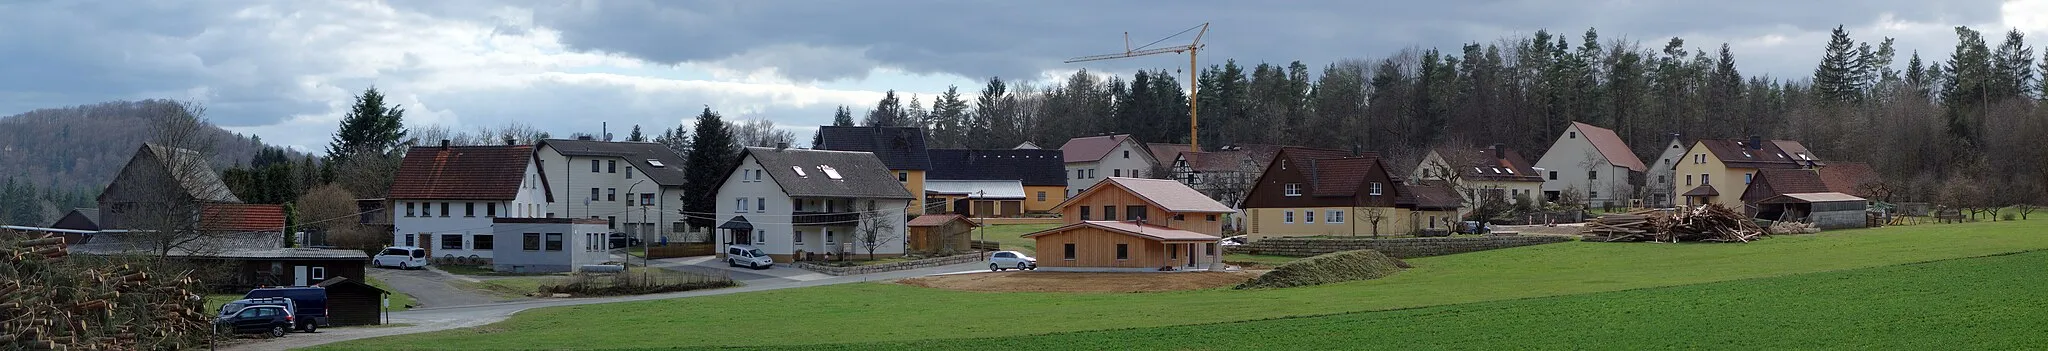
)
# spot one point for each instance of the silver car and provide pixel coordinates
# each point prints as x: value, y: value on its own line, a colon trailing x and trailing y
x: 1002, y: 260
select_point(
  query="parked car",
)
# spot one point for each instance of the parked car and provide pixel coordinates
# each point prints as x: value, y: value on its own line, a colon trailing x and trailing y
x: 269, y: 320
x: 623, y: 240
x: 403, y: 257
x: 1002, y: 260
x: 230, y: 308
x: 743, y: 255
x: 309, y: 304
x: 1234, y: 240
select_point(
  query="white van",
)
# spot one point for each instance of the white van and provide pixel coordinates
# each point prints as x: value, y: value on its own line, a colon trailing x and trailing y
x: 403, y: 257
x: 743, y: 255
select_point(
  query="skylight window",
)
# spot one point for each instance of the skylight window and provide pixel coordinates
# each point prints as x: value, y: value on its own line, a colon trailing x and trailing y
x: 1805, y: 157
x: 830, y: 172
x: 656, y: 163
x: 799, y: 171
x: 1745, y: 154
x: 1511, y: 171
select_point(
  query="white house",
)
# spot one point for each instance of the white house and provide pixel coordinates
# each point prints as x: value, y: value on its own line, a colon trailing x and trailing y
x: 539, y: 245
x: 1091, y: 159
x: 636, y: 187
x: 1663, y: 173
x: 794, y: 203
x: 1482, y: 174
x: 445, y: 197
x: 1593, y: 162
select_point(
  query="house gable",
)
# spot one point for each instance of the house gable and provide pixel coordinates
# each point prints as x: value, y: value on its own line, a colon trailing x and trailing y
x: 1323, y: 178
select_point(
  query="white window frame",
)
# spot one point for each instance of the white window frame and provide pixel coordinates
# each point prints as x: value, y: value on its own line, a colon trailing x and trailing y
x: 1308, y: 216
x: 760, y: 237
x: 1375, y: 189
x: 799, y: 238
x: 743, y: 206
x: 1291, y: 189
x: 316, y: 273
x: 1288, y: 217
x: 1333, y: 216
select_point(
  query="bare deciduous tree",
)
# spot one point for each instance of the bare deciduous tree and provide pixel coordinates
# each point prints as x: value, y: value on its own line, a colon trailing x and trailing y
x: 329, y: 211
x: 1374, y: 215
x: 875, y: 229
x: 760, y: 132
x: 161, y: 202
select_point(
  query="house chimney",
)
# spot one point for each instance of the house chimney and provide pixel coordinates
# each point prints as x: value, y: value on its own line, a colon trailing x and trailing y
x: 781, y: 145
x: 444, y: 143
x: 1756, y: 142
x: 583, y: 137
x: 510, y: 142
x: 1500, y: 151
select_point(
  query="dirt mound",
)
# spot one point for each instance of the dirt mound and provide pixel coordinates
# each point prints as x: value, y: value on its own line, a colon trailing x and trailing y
x: 1080, y: 282
x: 1328, y: 268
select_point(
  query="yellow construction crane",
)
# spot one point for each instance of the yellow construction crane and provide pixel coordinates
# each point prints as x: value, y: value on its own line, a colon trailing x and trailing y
x: 1194, y: 141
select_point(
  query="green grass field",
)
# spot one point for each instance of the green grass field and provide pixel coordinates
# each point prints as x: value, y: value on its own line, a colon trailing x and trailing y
x: 1985, y: 303
x: 878, y: 312
x: 520, y: 286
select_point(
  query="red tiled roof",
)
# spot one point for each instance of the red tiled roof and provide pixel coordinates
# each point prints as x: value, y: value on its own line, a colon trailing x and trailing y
x: 1611, y: 146
x: 1133, y: 229
x: 462, y: 172
x: 934, y: 220
x: 1846, y: 177
x: 1091, y: 149
x: 242, y: 218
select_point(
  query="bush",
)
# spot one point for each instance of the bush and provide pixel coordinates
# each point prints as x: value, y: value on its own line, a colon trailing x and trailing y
x: 1328, y: 268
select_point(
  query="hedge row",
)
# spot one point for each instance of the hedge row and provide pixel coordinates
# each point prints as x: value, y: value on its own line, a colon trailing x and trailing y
x: 1328, y: 268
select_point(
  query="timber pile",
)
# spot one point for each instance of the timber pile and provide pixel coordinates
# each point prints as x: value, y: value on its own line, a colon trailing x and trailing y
x: 1710, y: 223
x: 47, y: 303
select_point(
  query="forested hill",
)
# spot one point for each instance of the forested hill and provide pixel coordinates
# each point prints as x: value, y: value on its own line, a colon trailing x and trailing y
x: 64, y: 156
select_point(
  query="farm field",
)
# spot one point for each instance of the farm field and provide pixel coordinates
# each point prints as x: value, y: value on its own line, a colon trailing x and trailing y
x: 1984, y: 303
x: 860, y: 313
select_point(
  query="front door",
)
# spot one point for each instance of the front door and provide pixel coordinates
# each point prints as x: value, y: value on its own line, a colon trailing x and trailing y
x: 298, y: 275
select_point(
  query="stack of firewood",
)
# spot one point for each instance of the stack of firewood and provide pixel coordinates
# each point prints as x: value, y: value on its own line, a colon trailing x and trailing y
x: 52, y: 304
x: 1711, y: 223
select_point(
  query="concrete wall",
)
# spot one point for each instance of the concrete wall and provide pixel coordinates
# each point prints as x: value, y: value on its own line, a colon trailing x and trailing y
x: 1398, y: 248
x: 581, y: 244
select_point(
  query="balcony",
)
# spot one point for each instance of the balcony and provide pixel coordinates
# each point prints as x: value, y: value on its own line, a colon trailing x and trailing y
x: 825, y: 218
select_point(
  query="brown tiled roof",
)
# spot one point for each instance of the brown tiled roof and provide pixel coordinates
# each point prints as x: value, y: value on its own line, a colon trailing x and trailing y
x: 242, y: 218
x: 1133, y: 229
x: 462, y: 172
x: 1429, y: 195
x: 1611, y: 146
x: 1846, y: 177
x: 1232, y: 158
x: 1798, y: 152
x: 1738, y: 154
x: 1486, y: 165
x: 1703, y: 190
x: 934, y: 220
x: 1165, y: 153
x: 1773, y: 182
x: 1091, y: 149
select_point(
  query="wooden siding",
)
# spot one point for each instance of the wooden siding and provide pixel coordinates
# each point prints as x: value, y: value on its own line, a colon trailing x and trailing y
x: 1097, y: 248
x: 1122, y: 200
x: 1270, y: 190
x: 254, y: 273
x: 354, y: 304
x: 929, y: 239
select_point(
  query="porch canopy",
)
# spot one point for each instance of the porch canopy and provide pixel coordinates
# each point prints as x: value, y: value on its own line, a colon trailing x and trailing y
x: 737, y: 223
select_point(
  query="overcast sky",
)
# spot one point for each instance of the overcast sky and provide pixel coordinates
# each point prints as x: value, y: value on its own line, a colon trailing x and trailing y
x: 286, y: 70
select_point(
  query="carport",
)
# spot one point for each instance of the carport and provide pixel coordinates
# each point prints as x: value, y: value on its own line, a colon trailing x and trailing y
x: 1825, y: 210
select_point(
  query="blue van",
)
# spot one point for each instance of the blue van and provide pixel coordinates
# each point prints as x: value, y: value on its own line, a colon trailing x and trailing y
x: 310, y: 304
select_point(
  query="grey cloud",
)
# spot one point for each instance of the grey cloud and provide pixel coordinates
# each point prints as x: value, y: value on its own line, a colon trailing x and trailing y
x: 1018, y: 39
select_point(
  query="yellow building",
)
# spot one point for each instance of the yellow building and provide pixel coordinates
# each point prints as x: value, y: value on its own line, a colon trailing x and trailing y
x: 1719, y: 171
x: 1322, y: 192
x: 1033, y: 180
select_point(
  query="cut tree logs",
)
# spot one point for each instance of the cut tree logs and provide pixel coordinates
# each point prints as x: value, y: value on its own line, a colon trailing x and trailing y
x: 1707, y: 223
x: 56, y: 304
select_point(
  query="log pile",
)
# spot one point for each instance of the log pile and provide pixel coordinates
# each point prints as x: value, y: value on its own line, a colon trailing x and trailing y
x: 49, y: 303
x: 1708, y: 223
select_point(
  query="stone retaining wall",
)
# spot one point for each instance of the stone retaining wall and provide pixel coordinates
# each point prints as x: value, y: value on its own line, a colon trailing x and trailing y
x: 887, y: 267
x: 1398, y: 248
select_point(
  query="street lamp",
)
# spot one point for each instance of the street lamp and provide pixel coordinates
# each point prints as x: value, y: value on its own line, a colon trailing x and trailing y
x: 642, y: 231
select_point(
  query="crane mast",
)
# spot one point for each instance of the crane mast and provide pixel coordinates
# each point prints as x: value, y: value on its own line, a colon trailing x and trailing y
x: 1192, y: 48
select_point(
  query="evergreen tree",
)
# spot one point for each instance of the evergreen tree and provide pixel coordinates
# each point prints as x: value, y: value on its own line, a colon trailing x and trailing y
x: 843, y: 117
x: 1968, y: 89
x: 948, y: 128
x: 635, y: 135
x: 1837, y: 78
x: 992, y: 122
x: 2013, y: 68
x: 887, y: 113
x: 712, y: 155
x: 369, y: 127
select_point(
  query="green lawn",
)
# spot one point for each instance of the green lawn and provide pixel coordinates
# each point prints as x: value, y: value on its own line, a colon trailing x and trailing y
x: 1985, y: 303
x: 1010, y: 235
x: 474, y: 270
x: 1263, y: 260
x: 521, y: 286
x: 876, y: 312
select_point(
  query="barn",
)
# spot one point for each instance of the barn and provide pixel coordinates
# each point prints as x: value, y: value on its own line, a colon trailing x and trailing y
x: 1825, y: 210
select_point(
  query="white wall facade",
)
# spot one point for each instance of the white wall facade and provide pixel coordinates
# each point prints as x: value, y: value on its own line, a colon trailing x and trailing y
x: 581, y: 244
x: 1125, y: 160
x: 456, y: 233
x: 620, y: 182
x: 1662, y: 175
x: 771, y: 211
x: 1572, y: 162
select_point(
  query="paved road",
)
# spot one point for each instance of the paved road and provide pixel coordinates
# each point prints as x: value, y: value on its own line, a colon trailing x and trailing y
x: 430, y: 288
x: 443, y: 318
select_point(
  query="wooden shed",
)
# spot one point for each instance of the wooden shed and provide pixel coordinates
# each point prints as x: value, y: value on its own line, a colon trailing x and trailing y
x: 940, y: 233
x: 352, y: 302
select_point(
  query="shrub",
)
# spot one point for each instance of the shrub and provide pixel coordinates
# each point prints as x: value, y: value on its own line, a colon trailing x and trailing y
x: 1328, y: 268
